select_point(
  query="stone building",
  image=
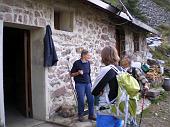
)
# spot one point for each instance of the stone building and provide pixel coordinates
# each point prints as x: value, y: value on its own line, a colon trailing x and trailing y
x: 36, y: 91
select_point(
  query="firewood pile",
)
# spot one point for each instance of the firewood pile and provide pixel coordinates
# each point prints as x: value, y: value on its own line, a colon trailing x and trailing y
x: 154, y: 73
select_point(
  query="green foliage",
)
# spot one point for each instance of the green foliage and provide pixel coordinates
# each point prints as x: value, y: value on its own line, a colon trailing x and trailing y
x: 131, y: 5
x: 162, y: 97
x: 165, y: 29
x: 163, y: 3
x: 161, y: 52
x: 147, y: 112
x: 113, y: 2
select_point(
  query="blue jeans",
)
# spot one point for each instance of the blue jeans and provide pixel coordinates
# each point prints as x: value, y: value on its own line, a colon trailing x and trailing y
x: 82, y: 89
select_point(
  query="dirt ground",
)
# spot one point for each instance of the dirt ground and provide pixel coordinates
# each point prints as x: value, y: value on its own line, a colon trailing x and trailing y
x: 158, y: 114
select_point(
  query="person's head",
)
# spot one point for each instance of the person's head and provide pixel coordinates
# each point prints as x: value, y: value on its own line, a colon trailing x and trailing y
x: 110, y: 56
x: 85, y: 55
x: 126, y: 61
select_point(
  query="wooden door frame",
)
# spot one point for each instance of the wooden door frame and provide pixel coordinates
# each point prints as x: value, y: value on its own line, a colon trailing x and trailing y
x: 119, y: 43
x: 27, y: 57
x: 25, y: 107
x: 39, y: 74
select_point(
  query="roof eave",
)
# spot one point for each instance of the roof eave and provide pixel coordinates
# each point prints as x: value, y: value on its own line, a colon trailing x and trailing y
x: 114, y: 10
x: 104, y: 6
x: 139, y: 24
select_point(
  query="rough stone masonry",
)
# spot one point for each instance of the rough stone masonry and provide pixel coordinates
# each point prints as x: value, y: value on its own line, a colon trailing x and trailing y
x: 92, y: 30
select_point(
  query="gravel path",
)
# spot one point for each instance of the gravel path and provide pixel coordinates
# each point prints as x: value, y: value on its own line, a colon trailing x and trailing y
x: 158, y: 114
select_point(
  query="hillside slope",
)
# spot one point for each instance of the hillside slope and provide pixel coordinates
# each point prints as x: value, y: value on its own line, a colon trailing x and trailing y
x: 157, y: 12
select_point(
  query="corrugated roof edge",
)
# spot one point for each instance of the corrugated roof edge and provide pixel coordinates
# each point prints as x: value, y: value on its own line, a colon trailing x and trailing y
x: 114, y: 10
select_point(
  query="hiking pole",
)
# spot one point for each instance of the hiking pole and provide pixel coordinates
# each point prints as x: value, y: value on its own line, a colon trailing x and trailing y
x: 126, y: 109
x: 143, y: 102
x: 73, y: 88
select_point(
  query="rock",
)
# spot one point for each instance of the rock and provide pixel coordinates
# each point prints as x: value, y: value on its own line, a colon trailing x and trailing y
x: 37, y: 14
x: 66, y: 111
x: 59, y: 92
x: 155, y: 13
x: 8, y: 17
x: 104, y: 37
x: 160, y: 89
x: 42, y: 22
x: 25, y: 19
x: 4, y: 8
x: 153, y: 93
x: 156, y: 114
x: 20, y: 18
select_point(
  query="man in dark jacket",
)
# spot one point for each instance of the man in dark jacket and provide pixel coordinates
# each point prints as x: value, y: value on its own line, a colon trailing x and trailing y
x: 81, y: 73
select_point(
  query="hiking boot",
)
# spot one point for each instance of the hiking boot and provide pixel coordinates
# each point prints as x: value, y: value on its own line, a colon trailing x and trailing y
x: 81, y: 119
x: 92, y: 118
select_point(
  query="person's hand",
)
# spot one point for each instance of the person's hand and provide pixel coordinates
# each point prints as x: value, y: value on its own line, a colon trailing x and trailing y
x: 146, y: 87
x: 101, y: 93
x: 80, y: 72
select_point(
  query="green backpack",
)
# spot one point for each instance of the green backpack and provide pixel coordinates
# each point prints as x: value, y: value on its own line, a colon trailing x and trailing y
x: 126, y: 101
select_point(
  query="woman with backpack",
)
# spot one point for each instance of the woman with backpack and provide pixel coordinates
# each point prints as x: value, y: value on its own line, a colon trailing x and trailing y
x: 106, y: 84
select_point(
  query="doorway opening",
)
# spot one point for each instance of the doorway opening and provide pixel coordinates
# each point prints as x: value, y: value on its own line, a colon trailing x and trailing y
x: 17, y: 73
x: 120, y: 41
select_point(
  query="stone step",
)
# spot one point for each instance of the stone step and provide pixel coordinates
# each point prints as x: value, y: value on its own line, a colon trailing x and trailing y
x: 72, y: 122
x: 84, y: 124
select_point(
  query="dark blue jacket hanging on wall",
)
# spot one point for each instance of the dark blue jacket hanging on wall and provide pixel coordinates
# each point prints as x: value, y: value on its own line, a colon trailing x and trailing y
x: 50, y: 56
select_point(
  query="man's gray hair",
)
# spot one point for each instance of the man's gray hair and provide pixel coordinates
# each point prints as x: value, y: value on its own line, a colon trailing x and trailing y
x: 84, y: 52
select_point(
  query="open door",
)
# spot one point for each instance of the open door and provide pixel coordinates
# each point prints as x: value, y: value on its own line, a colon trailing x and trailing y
x: 23, y: 76
x: 17, y: 71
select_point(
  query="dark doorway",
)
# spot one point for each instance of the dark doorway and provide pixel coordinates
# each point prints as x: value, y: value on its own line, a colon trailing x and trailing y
x: 17, y: 71
x: 120, y: 41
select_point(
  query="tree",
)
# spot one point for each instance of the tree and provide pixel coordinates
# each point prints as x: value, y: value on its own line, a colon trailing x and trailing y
x: 131, y: 5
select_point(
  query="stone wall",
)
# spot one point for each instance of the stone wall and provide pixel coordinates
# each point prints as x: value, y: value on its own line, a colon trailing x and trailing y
x: 155, y: 14
x: 91, y: 31
x: 140, y: 55
x: 27, y: 12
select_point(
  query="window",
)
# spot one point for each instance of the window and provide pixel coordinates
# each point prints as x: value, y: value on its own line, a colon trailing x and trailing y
x: 136, y: 42
x: 63, y: 20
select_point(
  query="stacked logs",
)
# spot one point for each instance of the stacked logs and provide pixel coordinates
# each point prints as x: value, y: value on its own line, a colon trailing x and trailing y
x: 154, y: 73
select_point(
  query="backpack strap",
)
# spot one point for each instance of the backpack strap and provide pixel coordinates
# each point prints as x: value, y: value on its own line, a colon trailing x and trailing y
x: 134, y: 72
x: 116, y: 69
